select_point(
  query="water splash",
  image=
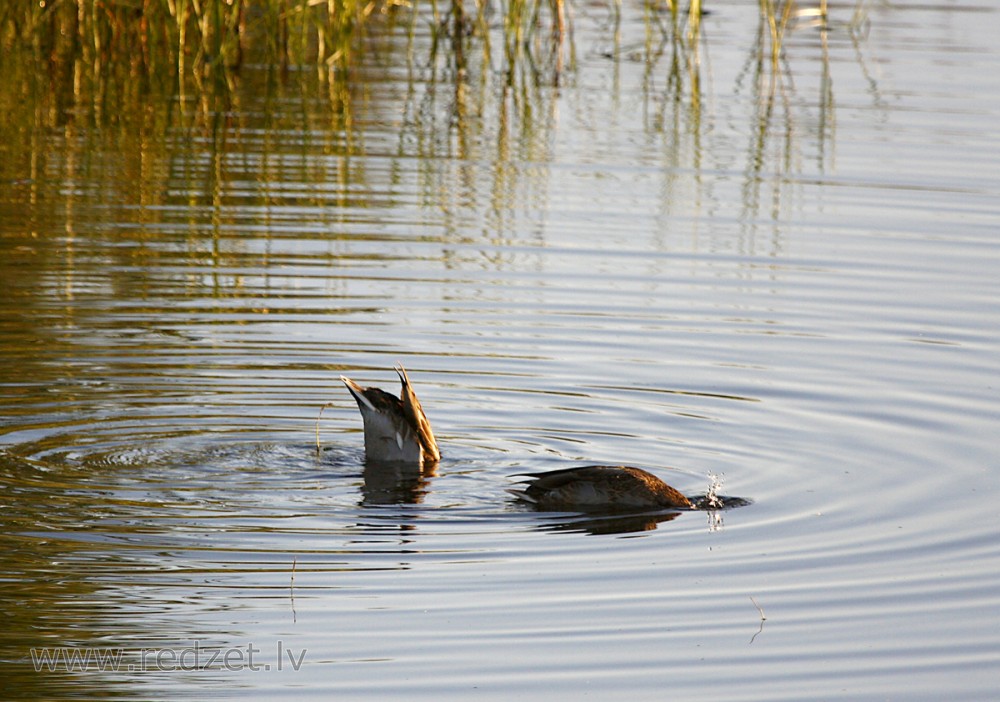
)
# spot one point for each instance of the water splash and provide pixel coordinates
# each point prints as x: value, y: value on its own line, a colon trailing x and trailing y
x: 712, y: 499
x: 712, y: 503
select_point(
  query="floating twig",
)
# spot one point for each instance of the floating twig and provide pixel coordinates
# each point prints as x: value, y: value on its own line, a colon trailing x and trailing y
x: 328, y: 405
x: 762, y: 619
x: 291, y: 590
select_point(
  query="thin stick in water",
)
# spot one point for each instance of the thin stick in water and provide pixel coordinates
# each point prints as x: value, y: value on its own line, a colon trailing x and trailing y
x: 291, y: 590
x: 762, y: 619
x: 328, y: 405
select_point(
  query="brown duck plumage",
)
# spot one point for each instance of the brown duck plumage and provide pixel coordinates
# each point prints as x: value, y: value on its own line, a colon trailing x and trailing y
x: 600, y: 487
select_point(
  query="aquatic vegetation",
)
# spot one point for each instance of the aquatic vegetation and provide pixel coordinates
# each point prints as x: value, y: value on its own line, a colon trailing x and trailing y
x: 478, y: 69
x: 187, y: 36
x: 198, y: 40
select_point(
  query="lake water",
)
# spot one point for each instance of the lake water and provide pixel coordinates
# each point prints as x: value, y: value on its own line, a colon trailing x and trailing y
x: 650, y: 263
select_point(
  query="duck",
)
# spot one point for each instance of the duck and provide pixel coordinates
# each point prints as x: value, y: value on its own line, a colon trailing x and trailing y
x: 397, y: 431
x: 599, y: 488
x: 396, y: 428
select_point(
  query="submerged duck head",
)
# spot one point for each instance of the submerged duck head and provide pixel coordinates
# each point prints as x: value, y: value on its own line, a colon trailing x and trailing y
x: 396, y: 428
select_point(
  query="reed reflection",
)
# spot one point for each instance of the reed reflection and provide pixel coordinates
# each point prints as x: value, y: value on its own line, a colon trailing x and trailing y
x: 775, y: 142
x: 482, y: 123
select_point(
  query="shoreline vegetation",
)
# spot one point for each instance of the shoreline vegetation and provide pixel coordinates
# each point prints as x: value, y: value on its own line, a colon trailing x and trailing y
x: 108, y: 59
x: 200, y: 41
x: 172, y: 76
x: 197, y: 39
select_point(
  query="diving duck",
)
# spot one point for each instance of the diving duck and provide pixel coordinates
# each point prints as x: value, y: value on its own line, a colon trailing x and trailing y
x: 397, y: 431
x: 396, y: 428
x: 599, y: 487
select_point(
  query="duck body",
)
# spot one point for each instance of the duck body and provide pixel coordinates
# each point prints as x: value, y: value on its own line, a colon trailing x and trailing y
x: 396, y: 428
x: 600, y: 488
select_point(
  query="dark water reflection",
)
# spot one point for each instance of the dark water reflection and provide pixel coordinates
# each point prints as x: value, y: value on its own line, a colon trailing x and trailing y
x: 395, y: 484
x: 608, y: 523
x: 653, y: 255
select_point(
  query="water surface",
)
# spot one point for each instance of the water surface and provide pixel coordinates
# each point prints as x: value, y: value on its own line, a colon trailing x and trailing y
x: 649, y: 262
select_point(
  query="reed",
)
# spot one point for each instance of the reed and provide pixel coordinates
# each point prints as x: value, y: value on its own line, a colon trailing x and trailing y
x: 192, y: 39
x: 180, y: 41
x: 186, y: 37
x: 526, y: 47
x: 777, y: 15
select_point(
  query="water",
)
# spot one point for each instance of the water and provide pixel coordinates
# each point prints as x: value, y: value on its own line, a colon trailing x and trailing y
x: 643, y: 266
